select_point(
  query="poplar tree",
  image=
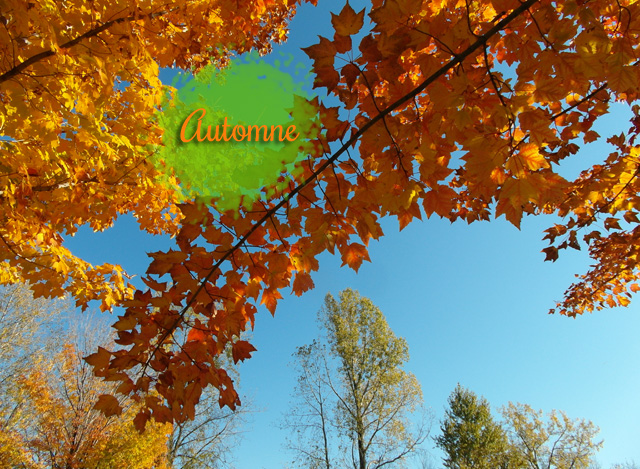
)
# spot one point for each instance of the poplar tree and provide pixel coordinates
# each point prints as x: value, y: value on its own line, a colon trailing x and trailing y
x: 361, y: 380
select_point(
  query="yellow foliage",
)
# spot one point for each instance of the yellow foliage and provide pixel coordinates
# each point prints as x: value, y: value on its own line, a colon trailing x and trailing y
x: 59, y: 426
x: 78, y: 89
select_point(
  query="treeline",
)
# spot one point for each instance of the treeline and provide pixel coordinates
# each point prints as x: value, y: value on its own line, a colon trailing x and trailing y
x: 354, y: 405
x: 525, y: 439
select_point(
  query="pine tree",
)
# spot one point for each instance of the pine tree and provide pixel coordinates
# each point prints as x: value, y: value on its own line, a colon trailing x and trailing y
x: 471, y: 438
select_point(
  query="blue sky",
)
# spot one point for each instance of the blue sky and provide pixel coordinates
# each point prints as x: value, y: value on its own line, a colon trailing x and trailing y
x: 471, y: 301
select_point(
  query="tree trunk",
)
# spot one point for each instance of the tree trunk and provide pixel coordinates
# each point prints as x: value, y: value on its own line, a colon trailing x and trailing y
x: 324, y: 437
x: 362, y: 453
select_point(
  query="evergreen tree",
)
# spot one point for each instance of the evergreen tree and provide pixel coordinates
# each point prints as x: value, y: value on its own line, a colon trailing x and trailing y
x: 471, y: 438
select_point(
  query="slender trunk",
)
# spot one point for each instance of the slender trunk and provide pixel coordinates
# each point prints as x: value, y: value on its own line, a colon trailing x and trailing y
x: 324, y: 437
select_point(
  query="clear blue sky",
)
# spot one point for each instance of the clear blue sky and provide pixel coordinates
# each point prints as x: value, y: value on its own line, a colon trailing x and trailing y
x: 471, y: 301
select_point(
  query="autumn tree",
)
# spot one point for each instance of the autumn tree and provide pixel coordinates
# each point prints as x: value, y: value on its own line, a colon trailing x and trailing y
x: 62, y: 428
x: 358, y: 399
x: 53, y: 422
x: 80, y: 89
x: 552, y: 441
x: 24, y: 325
x: 471, y: 438
x: 463, y: 110
x: 48, y: 393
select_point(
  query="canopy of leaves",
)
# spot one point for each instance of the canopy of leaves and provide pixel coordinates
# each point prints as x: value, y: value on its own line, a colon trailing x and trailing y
x: 461, y: 109
x: 79, y: 88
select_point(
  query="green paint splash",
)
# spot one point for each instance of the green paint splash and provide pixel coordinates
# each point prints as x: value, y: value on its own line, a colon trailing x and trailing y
x: 249, y: 92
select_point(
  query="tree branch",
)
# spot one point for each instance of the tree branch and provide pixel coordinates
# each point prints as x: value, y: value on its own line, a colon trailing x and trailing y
x: 457, y: 59
x: 91, y: 33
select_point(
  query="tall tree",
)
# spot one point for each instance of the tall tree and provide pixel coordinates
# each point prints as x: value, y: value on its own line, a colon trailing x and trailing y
x: 361, y: 391
x: 424, y: 83
x: 552, y: 441
x: 470, y: 438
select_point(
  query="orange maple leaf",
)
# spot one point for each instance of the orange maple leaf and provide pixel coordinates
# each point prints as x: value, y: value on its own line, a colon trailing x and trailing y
x: 354, y: 254
x: 348, y: 22
x: 241, y: 350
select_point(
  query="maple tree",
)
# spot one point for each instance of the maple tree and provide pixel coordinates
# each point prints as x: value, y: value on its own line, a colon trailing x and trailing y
x: 460, y: 109
x: 79, y: 90
x: 48, y: 416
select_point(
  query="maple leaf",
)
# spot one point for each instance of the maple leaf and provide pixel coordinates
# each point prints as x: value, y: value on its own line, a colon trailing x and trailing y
x: 350, y: 72
x: 196, y: 334
x: 354, y: 254
x: 241, y: 350
x: 302, y: 283
x: 100, y: 359
x: 551, y: 253
x: 342, y: 44
x: 439, y: 200
x: 140, y: 421
x: 270, y: 299
x: 164, y: 262
x: 348, y: 22
x: 108, y: 404
x: 323, y: 55
x: 530, y: 155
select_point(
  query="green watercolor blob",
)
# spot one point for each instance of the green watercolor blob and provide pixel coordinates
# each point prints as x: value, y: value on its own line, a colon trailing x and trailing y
x: 248, y: 92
